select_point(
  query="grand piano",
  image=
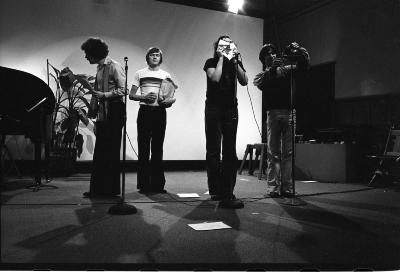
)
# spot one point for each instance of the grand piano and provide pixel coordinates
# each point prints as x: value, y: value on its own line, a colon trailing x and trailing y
x: 26, y: 108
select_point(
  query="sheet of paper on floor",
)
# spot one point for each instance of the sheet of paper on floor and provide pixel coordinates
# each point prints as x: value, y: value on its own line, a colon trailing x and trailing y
x: 188, y: 195
x: 209, y: 226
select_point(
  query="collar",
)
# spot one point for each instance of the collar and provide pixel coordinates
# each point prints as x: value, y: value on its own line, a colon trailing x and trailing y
x: 154, y: 68
x: 102, y: 62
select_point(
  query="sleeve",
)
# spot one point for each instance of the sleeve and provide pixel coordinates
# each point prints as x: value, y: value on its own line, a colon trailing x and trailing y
x: 118, y: 75
x: 210, y: 63
x: 136, y: 79
x: 259, y: 80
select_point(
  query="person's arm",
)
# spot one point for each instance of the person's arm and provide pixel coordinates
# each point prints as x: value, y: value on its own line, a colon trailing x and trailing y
x: 132, y: 94
x: 149, y: 98
x: 214, y: 74
x: 259, y: 80
x: 242, y: 76
x: 117, y: 73
x: 167, y: 102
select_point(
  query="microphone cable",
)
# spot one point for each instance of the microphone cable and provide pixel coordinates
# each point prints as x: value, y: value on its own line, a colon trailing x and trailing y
x: 252, y: 108
x: 129, y: 139
x: 248, y: 93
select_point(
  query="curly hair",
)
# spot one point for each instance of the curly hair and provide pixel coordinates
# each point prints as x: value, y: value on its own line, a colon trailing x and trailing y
x: 95, y: 47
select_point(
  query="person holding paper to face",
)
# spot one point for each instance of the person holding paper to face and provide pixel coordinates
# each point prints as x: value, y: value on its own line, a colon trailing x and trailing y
x: 221, y: 120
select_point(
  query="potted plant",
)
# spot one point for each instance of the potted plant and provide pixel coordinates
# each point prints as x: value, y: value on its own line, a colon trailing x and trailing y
x: 71, y: 108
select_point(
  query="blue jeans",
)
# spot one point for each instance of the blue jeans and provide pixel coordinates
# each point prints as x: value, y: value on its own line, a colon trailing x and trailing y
x: 279, y: 154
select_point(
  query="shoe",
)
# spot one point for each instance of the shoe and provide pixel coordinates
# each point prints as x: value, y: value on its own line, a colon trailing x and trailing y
x: 143, y: 191
x: 152, y: 192
x: 216, y: 197
x: 274, y: 194
x: 87, y: 195
x: 288, y: 194
x: 273, y: 191
x: 231, y: 203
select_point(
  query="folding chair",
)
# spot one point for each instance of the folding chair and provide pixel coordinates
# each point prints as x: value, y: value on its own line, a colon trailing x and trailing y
x: 260, y: 154
x: 390, y: 156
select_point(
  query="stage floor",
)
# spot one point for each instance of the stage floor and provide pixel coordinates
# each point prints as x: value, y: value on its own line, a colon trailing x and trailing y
x: 339, y: 227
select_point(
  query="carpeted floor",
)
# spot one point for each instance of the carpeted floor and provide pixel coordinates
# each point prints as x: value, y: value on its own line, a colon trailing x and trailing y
x: 328, y: 226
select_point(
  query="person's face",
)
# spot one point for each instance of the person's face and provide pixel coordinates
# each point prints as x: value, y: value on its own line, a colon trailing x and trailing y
x: 154, y: 59
x: 91, y: 59
x: 269, y: 57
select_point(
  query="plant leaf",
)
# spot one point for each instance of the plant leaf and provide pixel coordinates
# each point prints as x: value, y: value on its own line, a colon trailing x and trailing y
x: 85, y: 101
x: 83, y: 117
x: 79, y: 144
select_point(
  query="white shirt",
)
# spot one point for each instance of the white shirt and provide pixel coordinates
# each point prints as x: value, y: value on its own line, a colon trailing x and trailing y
x: 149, y: 81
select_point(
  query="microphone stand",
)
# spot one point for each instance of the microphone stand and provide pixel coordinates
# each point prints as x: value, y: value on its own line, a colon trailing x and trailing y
x: 293, y: 200
x: 232, y: 202
x: 123, y: 208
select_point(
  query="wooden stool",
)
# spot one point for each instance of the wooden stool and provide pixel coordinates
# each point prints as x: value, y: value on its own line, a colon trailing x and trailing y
x: 259, y: 156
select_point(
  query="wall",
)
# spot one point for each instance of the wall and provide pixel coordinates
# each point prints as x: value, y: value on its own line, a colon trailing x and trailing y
x: 360, y: 35
x: 33, y: 31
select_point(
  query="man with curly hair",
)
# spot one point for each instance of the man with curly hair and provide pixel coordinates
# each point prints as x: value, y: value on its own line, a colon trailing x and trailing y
x: 107, y: 108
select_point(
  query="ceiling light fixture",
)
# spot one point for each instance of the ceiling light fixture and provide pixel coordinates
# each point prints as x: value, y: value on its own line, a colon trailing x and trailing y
x: 235, y: 5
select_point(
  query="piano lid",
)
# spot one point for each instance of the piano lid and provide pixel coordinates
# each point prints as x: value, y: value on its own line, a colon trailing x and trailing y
x: 23, y: 94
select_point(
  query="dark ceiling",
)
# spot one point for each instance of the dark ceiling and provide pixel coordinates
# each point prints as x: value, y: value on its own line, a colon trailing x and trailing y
x: 280, y: 9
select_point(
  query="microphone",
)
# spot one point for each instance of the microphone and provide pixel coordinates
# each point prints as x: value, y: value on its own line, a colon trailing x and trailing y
x: 126, y: 63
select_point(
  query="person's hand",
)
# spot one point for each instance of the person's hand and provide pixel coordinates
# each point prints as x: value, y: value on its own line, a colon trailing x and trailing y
x: 219, y: 51
x: 98, y: 94
x: 167, y: 102
x: 149, y: 98
x: 276, y: 62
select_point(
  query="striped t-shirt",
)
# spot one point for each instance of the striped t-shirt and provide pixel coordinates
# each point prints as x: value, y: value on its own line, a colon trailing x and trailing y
x: 149, y: 81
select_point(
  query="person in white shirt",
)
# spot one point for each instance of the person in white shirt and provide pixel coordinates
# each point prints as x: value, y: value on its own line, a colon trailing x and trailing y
x: 151, y: 122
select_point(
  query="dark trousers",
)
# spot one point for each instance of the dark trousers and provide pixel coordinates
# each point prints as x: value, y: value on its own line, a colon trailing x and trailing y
x: 105, y: 178
x: 221, y: 126
x: 151, y: 124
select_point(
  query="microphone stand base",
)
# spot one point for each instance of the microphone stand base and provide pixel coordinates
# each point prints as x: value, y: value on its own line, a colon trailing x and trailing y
x: 122, y: 209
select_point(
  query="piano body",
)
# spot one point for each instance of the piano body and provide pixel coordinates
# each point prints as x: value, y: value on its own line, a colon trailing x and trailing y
x: 26, y: 108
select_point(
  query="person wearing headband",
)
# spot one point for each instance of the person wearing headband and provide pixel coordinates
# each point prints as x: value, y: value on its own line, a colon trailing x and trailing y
x: 147, y: 88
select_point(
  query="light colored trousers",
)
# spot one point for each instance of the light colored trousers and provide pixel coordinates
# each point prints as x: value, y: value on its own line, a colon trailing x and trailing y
x: 279, y: 154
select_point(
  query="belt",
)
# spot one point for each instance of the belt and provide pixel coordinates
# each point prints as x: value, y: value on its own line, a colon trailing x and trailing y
x: 150, y: 107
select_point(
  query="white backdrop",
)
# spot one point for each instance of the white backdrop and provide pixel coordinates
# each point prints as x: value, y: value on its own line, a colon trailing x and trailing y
x: 33, y: 31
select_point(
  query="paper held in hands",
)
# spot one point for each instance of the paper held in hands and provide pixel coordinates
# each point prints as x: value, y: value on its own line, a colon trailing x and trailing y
x: 229, y: 48
x: 167, y: 89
